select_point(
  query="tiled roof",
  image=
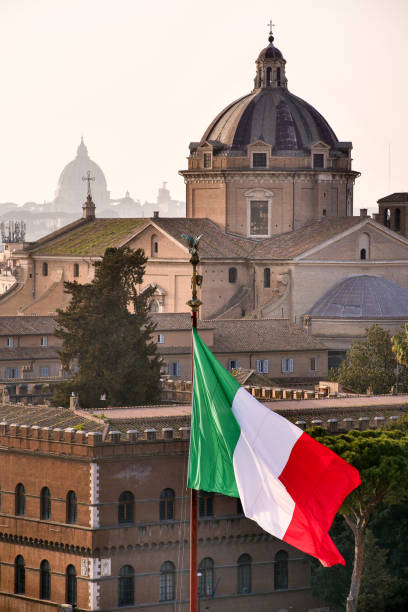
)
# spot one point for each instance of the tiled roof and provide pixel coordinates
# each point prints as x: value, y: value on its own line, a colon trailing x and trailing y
x: 46, y: 417
x: 261, y: 335
x: 28, y: 352
x: 26, y: 325
x: 168, y: 321
x: 214, y: 242
x: 291, y: 244
x: 246, y: 335
x: 88, y: 239
x: 394, y: 197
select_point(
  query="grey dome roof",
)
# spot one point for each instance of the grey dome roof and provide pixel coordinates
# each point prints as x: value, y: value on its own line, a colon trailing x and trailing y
x: 273, y: 115
x: 270, y: 52
x: 363, y: 297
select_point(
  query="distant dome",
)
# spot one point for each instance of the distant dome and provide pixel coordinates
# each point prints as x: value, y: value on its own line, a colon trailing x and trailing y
x: 363, y: 297
x: 72, y: 189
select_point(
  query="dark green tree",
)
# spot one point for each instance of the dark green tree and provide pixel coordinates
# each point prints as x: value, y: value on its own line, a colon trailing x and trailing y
x: 381, y: 457
x: 106, y: 335
x: 371, y: 364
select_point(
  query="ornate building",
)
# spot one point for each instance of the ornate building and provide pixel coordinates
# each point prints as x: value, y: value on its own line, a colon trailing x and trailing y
x: 269, y: 162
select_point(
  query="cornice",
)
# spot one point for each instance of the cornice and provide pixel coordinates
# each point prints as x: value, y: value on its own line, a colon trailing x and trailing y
x: 272, y: 175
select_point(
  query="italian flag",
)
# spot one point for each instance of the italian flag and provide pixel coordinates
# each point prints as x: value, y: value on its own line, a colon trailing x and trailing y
x: 289, y: 483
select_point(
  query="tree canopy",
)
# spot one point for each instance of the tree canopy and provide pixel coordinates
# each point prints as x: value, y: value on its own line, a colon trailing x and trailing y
x: 381, y: 457
x: 106, y: 335
x: 372, y: 364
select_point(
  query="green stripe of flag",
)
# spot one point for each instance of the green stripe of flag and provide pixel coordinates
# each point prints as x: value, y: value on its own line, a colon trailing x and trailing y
x: 214, y: 428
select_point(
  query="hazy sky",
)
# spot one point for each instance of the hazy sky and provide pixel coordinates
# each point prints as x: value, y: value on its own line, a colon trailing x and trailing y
x: 141, y: 79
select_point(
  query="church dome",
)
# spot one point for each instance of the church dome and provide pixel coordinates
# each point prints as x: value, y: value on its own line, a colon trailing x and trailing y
x: 363, y: 297
x: 270, y: 113
x: 71, y: 190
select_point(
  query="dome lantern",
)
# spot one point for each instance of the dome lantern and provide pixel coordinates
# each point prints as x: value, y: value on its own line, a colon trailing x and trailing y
x: 270, y: 66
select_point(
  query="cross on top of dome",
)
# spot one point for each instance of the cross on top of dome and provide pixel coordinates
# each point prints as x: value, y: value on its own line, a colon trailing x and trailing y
x: 270, y: 26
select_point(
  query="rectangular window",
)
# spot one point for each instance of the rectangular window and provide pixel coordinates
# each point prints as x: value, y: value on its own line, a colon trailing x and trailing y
x: 318, y: 160
x: 174, y: 368
x: 313, y: 364
x: 160, y: 338
x: 259, y: 225
x: 10, y: 342
x: 44, y: 340
x: 287, y: 365
x: 76, y: 269
x: 44, y: 371
x: 259, y: 160
x: 262, y: 366
x: 233, y: 364
x: 12, y: 372
x: 45, y: 269
x: 207, y: 160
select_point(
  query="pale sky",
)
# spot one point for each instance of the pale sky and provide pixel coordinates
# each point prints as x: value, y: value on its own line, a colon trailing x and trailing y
x: 141, y: 79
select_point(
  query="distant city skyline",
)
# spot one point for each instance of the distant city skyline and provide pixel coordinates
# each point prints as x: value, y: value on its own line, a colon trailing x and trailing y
x: 140, y: 81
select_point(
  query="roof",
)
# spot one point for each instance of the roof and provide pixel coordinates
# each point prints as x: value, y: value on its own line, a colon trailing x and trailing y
x: 168, y: 321
x: 26, y: 325
x: 90, y: 238
x: 363, y: 297
x: 401, y: 196
x: 47, y: 417
x: 214, y: 242
x: 28, y: 353
x: 292, y: 244
x: 274, y: 115
x: 261, y: 335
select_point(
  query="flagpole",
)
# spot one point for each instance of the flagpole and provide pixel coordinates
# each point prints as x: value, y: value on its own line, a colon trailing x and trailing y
x: 194, y: 303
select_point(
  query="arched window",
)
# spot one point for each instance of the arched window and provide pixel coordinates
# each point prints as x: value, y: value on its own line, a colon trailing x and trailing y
x: 232, y: 275
x: 244, y: 574
x: 387, y: 217
x: 206, y: 577
x: 154, y: 306
x: 72, y: 507
x: 205, y: 503
x: 19, y: 575
x: 167, y: 573
x: 397, y: 220
x: 278, y: 76
x: 76, y: 269
x: 364, y: 246
x: 20, y: 500
x: 154, y: 248
x: 267, y: 277
x: 281, y: 570
x: 126, y: 586
x: 45, y: 503
x: 268, y: 76
x: 70, y: 585
x: 167, y: 505
x: 45, y: 580
x: 125, y: 507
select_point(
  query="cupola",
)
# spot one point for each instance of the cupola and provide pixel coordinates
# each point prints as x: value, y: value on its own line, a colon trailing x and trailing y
x: 270, y: 66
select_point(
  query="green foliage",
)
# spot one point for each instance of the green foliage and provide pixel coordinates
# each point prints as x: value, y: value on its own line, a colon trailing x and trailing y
x: 106, y: 333
x: 400, y: 345
x: 381, y: 456
x: 79, y: 427
x: 371, y: 364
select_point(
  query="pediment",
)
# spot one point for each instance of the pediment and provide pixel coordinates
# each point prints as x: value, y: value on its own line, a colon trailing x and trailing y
x: 259, y: 143
x: 381, y: 243
x: 319, y: 144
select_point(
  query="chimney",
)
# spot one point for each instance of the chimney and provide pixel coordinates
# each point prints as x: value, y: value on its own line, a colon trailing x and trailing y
x: 363, y: 212
x: 155, y: 214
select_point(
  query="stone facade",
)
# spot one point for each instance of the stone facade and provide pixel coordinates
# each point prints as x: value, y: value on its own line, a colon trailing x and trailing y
x: 102, y: 536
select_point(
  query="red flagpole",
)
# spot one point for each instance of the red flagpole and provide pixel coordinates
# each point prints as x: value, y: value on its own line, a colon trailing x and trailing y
x: 194, y: 303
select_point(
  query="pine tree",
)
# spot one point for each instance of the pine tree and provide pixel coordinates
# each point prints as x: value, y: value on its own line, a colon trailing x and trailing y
x: 106, y: 333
